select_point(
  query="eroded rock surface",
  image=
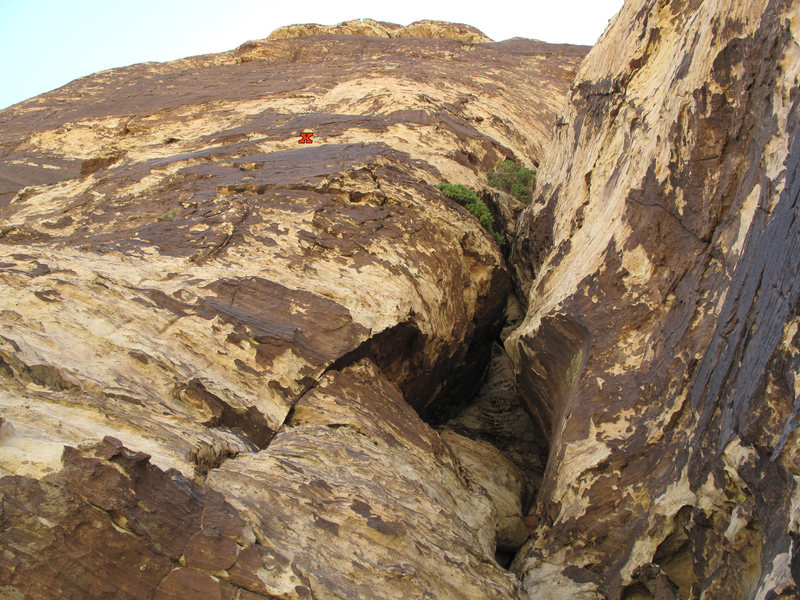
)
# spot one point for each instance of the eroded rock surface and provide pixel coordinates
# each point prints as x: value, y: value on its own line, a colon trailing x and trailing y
x: 503, y: 482
x: 497, y: 414
x: 213, y: 339
x: 660, y: 352
x: 368, y: 27
x: 221, y: 350
x: 413, y: 526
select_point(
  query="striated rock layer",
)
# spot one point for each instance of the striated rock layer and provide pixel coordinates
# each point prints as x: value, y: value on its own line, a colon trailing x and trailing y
x: 660, y: 352
x: 216, y: 342
x: 222, y: 352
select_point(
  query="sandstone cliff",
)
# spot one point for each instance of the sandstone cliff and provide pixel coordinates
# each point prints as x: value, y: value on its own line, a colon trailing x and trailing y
x: 660, y: 352
x: 233, y: 366
x: 215, y: 341
x: 368, y: 27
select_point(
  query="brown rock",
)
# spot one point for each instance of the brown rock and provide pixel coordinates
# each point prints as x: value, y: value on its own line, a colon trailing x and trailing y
x: 210, y: 550
x: 56, y: 539
x: 214, y: 338
x: 188, y: 583
x: 659, y: 351
x: 502, y: 482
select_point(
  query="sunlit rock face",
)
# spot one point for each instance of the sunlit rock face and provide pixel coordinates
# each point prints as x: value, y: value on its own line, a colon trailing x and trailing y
x: 368, y: 27
x: 249, y: 350
x: 660, y: 352
x: 218, y: 345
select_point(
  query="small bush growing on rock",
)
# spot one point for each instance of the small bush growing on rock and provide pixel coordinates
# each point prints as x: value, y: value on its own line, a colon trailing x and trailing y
x: 469, y: 200
x: 510, y: 177
x: 460, y: 193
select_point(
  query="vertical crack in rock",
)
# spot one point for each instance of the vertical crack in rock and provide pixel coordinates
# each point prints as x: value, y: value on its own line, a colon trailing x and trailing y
x: 498, y: 415
x: 502, y: 448
x: 549, y: 366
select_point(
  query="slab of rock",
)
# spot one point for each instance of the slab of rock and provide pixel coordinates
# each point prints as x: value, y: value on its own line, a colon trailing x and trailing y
x: 365, y: 500
x: 660, y: 351
x: 356, y: 497
x: 503, y: 482
x: 214, y: 339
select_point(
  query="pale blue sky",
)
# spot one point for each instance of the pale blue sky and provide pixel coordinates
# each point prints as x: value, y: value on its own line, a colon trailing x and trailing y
x: 45, y: 44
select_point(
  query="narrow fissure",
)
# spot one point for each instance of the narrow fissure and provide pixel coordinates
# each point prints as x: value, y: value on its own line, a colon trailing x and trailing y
x: 494, y: 436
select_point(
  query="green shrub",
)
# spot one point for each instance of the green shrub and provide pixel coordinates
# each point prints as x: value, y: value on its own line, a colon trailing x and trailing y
x: 170, y: 216
x: 460, y: 193
x: 510, y: 177
x: 469, y: 200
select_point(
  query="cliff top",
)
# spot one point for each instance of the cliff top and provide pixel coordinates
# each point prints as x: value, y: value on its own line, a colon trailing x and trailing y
x: 368, y: 27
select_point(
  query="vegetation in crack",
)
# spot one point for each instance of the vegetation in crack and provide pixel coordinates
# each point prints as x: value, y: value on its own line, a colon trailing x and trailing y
x: 514, y: 179
x: 469, y: 200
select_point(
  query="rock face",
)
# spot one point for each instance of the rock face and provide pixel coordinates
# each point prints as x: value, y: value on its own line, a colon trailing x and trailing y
x: 503, y: 484
x: 660, y: 351
x: 498, y: 415
x: 216, y: 342
x: 368, y: 27
x: 235, y: 366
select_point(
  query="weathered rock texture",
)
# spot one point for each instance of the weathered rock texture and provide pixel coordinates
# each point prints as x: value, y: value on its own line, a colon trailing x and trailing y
x: 221, y: 352
x: 497, y: 415
x: 660, y: 352
x: 368, y: 27
x: 213, y: 339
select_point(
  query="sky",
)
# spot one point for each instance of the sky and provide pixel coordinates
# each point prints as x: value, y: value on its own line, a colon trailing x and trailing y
x: 45, y: 44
